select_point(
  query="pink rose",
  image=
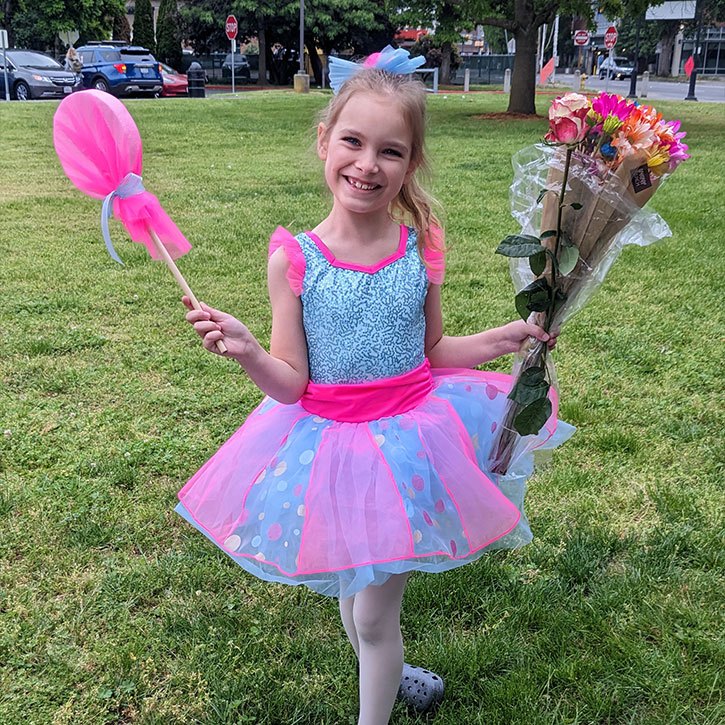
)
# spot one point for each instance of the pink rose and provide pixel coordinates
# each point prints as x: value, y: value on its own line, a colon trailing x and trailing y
x: 567, y: 119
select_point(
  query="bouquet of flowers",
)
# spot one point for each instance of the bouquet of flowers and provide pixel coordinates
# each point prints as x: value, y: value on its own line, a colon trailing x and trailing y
x: 579, y: 198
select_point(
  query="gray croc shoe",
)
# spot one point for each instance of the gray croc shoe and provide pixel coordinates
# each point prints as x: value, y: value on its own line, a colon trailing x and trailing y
x: 421, y: 690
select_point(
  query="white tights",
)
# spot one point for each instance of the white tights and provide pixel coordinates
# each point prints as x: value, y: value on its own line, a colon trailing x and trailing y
x: 372, y: 621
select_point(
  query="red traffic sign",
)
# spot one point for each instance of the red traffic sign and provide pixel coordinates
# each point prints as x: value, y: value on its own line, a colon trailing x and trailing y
x: 231, y: 27
x: 581, y: 37
x: 610, y: 37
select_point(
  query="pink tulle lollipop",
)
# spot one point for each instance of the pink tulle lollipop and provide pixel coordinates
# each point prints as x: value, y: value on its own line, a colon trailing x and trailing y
x: 99, y: 147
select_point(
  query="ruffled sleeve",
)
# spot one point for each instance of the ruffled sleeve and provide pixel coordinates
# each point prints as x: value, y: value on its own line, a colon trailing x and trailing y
x: 296, y: 271
x: 434, y: 256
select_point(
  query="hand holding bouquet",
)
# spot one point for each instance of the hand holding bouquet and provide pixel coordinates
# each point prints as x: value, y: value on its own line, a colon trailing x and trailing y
x: 579, y: 199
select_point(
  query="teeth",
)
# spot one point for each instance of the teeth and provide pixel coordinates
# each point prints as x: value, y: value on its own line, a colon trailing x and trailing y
x: 359, y: 185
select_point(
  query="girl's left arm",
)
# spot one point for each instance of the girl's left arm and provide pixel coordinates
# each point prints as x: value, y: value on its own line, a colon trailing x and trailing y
x: 470, y: 350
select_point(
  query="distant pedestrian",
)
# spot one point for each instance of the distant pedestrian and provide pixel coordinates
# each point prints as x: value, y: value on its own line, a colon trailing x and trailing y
x: 73, y: 62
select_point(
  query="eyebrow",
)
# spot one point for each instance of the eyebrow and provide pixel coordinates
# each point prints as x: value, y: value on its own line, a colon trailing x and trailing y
x: 394, y: 144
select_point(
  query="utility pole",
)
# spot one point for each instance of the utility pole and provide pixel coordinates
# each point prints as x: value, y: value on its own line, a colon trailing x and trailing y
x: 635, y: 70
x: 695, y: 54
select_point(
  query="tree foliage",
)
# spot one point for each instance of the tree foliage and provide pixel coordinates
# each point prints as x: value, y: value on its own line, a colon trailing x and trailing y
x: 202, y: 23
x: 523, y: 18
x: 143, y: 25
x: 449, y: 18
x: 36, y: 23
x: 358, y: 25
x: 168, y: 34
x: 121, y: 28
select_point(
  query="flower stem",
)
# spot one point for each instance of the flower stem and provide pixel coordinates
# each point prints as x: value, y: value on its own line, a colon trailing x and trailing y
x: 557, y: 245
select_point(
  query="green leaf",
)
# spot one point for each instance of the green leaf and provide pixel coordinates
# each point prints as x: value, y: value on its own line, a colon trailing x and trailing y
x: 541, y: 195
x: 548, y: 233
x: 533, y: 298
x: 537, y: 262
x: 530, y: 386
x: 533, y: 417
x: 568, y: 257
x: 521, y: 301
x: 532, y: 376
x: 519, y: 245
x: 575, y: 205
x: 539, y: 300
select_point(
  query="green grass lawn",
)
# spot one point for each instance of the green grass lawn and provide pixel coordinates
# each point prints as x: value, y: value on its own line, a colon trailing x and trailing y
x: 114, y: 610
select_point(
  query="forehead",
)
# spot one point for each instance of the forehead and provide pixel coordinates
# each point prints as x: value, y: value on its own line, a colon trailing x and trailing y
x: 375, y: 116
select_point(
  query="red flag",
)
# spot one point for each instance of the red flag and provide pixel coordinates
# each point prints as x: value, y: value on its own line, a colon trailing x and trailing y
x: 546, y: 71
x: 689, y: 66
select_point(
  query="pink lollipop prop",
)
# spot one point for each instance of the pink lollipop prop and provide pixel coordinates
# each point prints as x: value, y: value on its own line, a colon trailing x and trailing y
x: 99, y: 148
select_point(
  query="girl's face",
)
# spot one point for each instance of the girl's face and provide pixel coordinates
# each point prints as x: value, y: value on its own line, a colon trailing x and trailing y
x: 366, y: 154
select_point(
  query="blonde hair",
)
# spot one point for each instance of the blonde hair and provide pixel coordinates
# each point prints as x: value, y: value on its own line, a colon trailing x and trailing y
x: 413, y: 205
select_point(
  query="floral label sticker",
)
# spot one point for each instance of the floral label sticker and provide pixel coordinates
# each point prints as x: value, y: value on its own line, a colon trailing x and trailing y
x: 641, y: 179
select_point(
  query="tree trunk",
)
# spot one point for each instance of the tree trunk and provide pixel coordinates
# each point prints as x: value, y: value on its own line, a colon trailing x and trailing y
x: 7, y: 13
x: 262, y: 40
x: 523, y: 80
x: 667, y: 46
x: 446, y: 52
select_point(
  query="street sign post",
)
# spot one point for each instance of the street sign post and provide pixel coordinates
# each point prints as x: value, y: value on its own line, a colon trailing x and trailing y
x: 230, y: 28
x: 610, y: 40
x: 581, y: 37
x: 4, y: 44
x: 581, y: 40
x: 610, y: 37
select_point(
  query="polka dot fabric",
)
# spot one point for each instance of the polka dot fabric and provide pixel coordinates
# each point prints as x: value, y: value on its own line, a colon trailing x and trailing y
x: 300, y: 498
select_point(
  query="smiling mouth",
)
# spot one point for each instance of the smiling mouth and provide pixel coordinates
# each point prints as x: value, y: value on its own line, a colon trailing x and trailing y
x: 360, y: 185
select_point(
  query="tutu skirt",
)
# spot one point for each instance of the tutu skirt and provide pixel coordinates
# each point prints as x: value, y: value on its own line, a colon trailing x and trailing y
x: 339, y: 503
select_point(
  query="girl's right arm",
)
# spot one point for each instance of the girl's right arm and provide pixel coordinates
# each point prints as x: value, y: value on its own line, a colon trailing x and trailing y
x: 283, y: 373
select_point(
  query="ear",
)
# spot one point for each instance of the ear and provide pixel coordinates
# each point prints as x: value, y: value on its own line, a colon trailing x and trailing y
x: 322, y: 141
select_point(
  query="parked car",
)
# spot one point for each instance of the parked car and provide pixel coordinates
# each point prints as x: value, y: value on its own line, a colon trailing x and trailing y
x: 32, y: 74
x: 122, y: 70
x: 175, y: 84
x: 241, y: 66
x: 617, y: 68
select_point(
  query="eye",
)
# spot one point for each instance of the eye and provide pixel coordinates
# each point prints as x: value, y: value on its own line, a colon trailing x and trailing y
x: 393, y: 152
x: 351, y: 140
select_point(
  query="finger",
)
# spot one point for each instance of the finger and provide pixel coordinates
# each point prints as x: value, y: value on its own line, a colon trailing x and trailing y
x: 206, y: 326
x: 197, y: 316
x: 538, y: 332
x: 211, y: 339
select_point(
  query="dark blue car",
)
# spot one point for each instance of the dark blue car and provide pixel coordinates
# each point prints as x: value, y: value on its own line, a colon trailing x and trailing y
x: 122, y: 70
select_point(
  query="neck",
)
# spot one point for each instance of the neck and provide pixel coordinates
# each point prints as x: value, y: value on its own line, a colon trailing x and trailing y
x: 341, y: 223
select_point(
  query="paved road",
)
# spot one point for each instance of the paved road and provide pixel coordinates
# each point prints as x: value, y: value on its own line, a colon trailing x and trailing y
x: 707, y: 90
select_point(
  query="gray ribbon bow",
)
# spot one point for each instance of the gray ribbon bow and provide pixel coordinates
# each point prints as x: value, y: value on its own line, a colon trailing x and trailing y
x: 131, y: 185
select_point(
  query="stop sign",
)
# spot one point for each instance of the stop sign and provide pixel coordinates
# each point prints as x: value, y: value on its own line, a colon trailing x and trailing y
x: 231, y: 27
x: 610, y: 37
x: 581, y: 37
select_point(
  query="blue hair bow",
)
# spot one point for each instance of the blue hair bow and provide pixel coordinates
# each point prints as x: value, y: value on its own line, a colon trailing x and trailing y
x: 389, y: 59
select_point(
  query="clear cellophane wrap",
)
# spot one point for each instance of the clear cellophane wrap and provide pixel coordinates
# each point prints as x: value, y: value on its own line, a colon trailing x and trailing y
x: 611, y: 217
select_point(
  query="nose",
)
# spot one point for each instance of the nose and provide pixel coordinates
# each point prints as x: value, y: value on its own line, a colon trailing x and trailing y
x: 367, y: 161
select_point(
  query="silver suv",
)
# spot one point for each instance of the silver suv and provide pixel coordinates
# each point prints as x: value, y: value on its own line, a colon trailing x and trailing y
x: 617, y: 68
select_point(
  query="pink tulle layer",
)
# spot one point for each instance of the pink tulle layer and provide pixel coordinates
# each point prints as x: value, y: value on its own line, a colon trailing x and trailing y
x: 298, y: 497
x: 98, y: 144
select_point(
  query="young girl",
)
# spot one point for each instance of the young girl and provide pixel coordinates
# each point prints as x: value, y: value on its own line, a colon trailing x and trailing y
x: 367, y: 459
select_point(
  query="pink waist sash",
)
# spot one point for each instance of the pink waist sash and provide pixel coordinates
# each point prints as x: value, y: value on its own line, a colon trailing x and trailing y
x: 360, y: 402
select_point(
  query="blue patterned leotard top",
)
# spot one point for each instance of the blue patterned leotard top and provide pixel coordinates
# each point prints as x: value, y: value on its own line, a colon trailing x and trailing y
x: 363, y: 323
